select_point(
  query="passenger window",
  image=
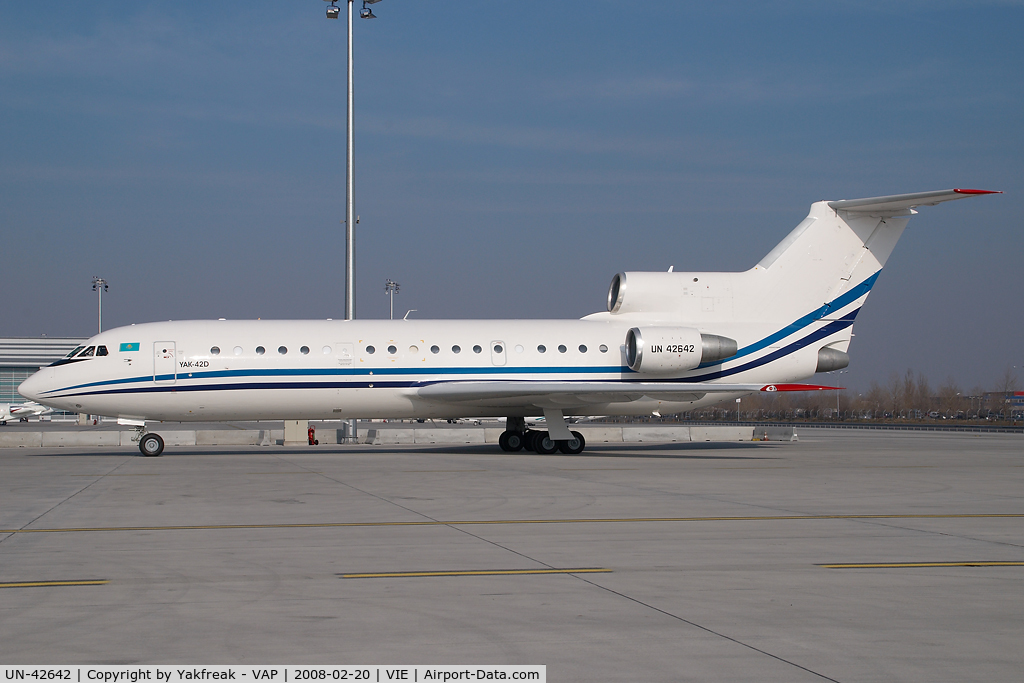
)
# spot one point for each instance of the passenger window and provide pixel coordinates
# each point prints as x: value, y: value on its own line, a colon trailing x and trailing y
x: 541, y: 348
x: 392, y: 350
x: 561, y: 348
x: 214, y: 350
x: 456, y: 349
x: 282, y: 350
x: 304, y: 350
x: 238, y: 351
x: 88, y: 352
x: 583, y: 348
x: 101, y: 350
x: 414, y: 349
x: 370, y: 350
x: 435, y: 349
x: 477, y: 349
x: 326, y: 350
x: 603, y: 348
x: 260, y: 350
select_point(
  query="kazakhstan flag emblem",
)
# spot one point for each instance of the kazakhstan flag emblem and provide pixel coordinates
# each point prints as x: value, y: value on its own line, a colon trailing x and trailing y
x: 130, y: 346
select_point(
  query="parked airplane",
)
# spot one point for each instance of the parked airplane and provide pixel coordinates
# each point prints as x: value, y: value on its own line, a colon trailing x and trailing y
x: 21, y: 411
x: 669, y: 341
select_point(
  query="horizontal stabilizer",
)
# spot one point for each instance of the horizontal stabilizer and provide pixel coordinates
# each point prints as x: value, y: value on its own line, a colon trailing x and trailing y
x: 901, y: 203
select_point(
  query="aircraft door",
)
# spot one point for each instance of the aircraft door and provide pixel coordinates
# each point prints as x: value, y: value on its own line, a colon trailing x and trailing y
x: 165, y: 362
x: 498, y: 353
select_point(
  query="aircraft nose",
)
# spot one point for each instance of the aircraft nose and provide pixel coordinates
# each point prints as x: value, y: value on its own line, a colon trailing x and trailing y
x: 33, y: 387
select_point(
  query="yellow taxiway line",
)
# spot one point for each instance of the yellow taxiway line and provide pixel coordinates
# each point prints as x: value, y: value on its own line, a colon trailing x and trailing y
x: 44, y: 584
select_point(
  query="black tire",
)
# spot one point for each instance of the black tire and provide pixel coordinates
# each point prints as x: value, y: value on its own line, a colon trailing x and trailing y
x: 528, y: 440
x: 543, y: 444
x: 574, y: 446
x: 511, y: 442
x: 151, y: 445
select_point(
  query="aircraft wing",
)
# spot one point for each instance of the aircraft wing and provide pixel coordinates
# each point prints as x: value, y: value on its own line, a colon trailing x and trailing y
x: 20, y: 410
x: 562, y: 394
x: 902, y: 203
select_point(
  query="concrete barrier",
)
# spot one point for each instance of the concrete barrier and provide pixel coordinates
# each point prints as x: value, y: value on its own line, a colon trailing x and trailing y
x: 90, y: 438
x: 654, y: 434
x: 721, y: 433
x: 599, y: 434
x: 21, y: 439
x: 240, y: 437
x: 392, y: 436
x: 775, y: 434
x: 448, y: 436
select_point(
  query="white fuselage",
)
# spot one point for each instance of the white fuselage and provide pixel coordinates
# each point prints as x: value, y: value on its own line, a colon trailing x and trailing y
x: 215, y: 370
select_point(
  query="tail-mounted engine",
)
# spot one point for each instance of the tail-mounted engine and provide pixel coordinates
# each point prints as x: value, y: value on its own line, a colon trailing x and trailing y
x: 674, y: 349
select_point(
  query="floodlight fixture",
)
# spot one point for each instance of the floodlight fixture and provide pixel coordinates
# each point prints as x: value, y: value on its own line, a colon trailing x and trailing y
x: 366, y: 12
x: 333, y: 11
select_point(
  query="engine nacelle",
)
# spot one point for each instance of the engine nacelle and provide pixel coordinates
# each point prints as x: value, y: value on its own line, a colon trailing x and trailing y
x: 663, y: 350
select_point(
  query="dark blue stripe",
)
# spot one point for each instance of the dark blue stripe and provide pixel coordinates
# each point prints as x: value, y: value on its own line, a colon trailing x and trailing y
x: 836, y: 304
x: 321, y: 372
x: 817, y: 335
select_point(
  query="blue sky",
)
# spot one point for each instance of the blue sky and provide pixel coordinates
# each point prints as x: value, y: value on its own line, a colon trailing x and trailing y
x: 511, y: 157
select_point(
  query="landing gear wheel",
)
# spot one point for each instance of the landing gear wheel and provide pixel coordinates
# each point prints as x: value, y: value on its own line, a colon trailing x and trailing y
x: 151, y: 445
x: 511, y: 442
x: 574, y: 445
x: 543, y: 444
x: 528, y: 440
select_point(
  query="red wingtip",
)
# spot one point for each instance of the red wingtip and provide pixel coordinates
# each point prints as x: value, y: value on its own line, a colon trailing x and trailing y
x: 799, y: 387
x: 977, y: 191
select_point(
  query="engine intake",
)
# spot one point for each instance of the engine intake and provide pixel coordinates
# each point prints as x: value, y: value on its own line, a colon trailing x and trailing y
x: 674, y: 349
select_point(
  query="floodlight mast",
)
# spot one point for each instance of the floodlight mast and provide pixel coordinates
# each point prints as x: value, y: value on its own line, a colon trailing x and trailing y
x: 99, y: 285
x: 350, y: 211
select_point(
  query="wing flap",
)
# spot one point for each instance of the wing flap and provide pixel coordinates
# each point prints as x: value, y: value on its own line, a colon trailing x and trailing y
x: 562, y: 394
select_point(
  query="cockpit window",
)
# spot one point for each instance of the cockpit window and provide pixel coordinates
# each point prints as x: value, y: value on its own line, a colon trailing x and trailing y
x: 74, y: 351
x: 101, y: 350
x: 88, y: 352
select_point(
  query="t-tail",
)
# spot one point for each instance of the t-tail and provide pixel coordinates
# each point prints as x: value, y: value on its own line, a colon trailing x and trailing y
x: 797, y: 305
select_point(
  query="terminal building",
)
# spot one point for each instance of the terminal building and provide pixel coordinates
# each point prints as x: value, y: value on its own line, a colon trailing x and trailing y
x: 22, y: 356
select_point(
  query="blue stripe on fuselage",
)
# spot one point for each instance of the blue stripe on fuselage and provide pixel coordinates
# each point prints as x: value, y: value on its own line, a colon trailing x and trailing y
x: 836, y: 304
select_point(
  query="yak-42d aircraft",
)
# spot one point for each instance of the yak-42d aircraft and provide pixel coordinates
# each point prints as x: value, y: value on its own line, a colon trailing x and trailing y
x: 669, y: 342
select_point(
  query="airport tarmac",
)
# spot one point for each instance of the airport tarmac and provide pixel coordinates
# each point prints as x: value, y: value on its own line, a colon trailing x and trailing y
x: 845, y: 556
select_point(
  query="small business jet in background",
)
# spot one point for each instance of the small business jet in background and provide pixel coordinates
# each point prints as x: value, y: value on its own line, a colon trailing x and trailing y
x: 669, y: 342
x: 21, y: 411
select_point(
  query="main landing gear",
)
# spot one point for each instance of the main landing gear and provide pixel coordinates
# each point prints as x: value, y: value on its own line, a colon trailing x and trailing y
x: 517, y: 437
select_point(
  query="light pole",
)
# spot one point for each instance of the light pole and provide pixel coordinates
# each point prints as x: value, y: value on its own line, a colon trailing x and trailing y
x: 350, y: 211
x: 391, y: 288
x: 99, y: 285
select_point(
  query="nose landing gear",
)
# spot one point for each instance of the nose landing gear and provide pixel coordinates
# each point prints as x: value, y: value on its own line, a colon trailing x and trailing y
x: 151, y: 445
